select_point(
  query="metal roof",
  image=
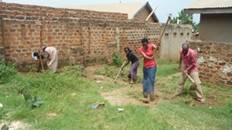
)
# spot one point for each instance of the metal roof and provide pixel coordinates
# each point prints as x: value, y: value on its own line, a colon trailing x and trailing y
x: 210, y: 6
x: 206, y: 4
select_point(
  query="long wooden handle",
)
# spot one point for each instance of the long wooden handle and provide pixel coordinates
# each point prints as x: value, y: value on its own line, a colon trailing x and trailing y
x: 120, y: 70
x: 190, y: 78
x: 41, y: 61
x: 41, y: 42
x: 165, y: 26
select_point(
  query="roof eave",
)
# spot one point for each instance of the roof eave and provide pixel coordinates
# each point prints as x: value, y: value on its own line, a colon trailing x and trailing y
x: 147, y: 4
x: 151, y: 9
x: 208, y: 10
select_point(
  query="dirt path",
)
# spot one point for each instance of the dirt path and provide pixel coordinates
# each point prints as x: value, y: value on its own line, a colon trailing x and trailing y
x: 124, y: 95
x: 131, y: 95
x: 17, y: 125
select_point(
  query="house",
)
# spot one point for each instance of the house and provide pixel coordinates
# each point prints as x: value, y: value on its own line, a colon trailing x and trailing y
x: 137, y: 11
x: 215, y: 19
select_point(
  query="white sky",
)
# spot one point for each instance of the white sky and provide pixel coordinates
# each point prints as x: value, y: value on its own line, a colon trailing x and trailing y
x: 165, y: 7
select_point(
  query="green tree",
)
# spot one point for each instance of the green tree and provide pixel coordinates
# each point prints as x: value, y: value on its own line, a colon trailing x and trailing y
x: 185, y: 18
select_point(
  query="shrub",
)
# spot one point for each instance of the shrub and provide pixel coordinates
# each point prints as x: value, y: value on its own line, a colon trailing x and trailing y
x: 7, y: 72
x: 117, y: 59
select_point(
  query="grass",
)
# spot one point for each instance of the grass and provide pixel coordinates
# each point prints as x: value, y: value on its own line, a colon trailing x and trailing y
x: 68, y: 96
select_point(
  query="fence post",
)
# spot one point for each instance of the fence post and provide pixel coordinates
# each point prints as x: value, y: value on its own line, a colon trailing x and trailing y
x: 117, y: 38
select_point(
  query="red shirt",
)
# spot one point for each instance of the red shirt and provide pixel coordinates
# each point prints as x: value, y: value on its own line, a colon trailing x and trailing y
x: 189, y: 59
x: 148, y: 63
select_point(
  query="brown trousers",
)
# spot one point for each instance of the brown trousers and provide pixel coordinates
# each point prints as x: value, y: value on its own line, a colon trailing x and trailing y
x: 195, y: 88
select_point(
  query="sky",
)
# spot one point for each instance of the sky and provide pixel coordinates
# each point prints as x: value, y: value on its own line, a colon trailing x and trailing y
x: 164, y: 7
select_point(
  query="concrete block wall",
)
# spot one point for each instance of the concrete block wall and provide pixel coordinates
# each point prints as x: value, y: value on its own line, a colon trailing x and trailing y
x: 172, y: 40
x: 215, y: 62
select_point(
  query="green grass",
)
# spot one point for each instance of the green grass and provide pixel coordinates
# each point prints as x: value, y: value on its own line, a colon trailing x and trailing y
x: 69, y: 96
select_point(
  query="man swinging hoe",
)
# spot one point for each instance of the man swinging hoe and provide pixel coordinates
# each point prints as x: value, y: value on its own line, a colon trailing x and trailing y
x: 188, y: 65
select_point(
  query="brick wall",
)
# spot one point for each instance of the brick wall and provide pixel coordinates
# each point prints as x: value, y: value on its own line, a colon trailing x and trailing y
x: 1, y: 41
x: 215, y: 62
x: 31, y: 12
x: 78, y: 40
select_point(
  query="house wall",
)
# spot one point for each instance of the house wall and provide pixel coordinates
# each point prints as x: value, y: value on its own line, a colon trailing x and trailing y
x: 142, y: 15
x: 215, y: 62
x: 172, y: 40
x: 216, y: 27
x: 78, y: 40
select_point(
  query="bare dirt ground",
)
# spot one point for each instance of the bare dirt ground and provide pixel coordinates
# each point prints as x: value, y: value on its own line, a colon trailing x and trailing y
x: 132, y: 95
x: 122, y: 96
x: 17, y: 125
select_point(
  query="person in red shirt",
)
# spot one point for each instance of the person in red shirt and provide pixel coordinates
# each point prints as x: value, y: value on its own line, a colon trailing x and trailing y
x: 188, y: 65
x: 149, y: 69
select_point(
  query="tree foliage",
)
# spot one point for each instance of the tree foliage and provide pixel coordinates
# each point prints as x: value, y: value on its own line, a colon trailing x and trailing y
x: 184, y: 18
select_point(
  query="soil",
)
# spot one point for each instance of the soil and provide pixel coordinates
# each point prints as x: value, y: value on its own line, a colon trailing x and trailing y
x: 18, y: 125
x: 132, y: 95
x: 122, y: 96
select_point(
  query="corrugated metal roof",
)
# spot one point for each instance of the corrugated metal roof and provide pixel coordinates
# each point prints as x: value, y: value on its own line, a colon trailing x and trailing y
x: 128, y: 8
x: 208, y: 4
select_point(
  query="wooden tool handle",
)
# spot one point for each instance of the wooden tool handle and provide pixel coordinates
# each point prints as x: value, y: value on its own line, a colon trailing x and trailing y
x: 165, y: 26
x: 190, y: 78
x: 120, y: 70
x: 41, y: 61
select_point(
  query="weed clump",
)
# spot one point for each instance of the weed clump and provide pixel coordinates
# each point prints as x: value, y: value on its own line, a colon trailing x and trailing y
x: 7, y: 72
x: 107, y: 70
x: 117, y: 59
x: 74, y: 71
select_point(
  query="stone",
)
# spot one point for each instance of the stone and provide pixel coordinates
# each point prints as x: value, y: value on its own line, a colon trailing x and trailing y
x: 227, y: 69
x: 200, y: 60
x: 214, y: 62
x: 213, y: 59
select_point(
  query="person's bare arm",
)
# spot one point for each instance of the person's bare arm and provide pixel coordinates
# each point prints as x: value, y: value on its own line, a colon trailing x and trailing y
x: 147, y: 57
x: 194, y: 63
x: 154, y: 46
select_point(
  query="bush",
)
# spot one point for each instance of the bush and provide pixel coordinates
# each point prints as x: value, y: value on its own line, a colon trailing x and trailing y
x: 48, y: 82
x: 7, y: 72
x: 117, y: 59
